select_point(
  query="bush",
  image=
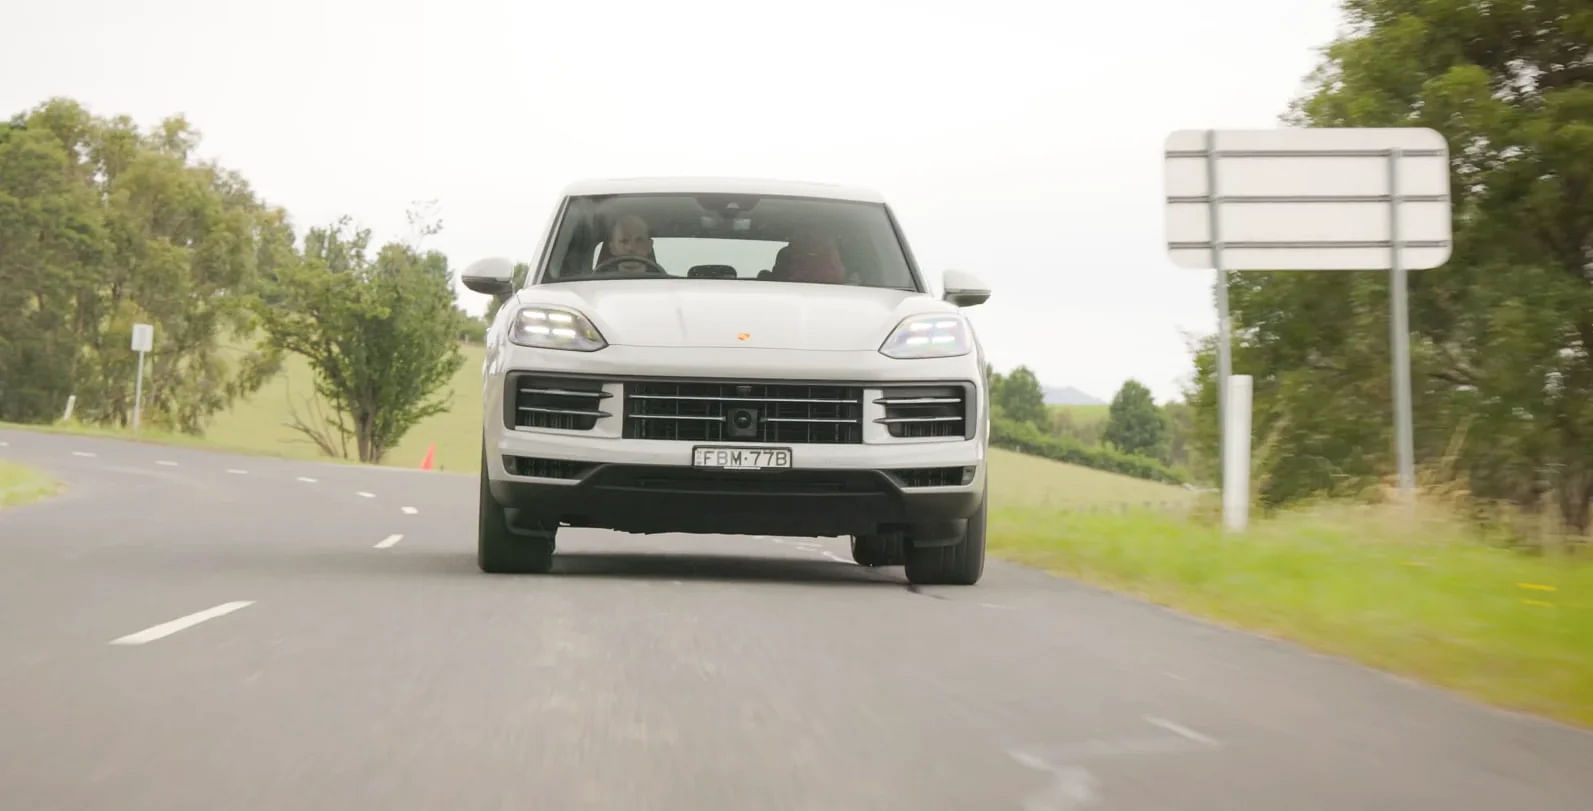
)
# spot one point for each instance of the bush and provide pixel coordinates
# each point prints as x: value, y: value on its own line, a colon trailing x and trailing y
x: 1026, y: 438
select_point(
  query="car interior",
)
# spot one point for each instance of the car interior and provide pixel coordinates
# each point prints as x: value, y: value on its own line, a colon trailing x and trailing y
x: 719, y: 237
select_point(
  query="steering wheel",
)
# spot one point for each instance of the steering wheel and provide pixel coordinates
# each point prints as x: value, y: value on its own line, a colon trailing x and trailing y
x: 615, y: 260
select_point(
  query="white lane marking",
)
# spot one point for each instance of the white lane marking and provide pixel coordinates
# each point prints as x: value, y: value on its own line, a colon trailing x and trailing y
x: 88, y: 454
x: 363, y: 494
x: 388, y: 541
x: 236, y: 471
x: 1174, y: 676
x: 307, y: 479
x: 835, y: 557
x: 1179, y: 729
x: 165, y: 463
x: 994, y: 605
x: 1071, y: 786
x: 409, y: 510
x: 169, y: 628
x: 5, y: 444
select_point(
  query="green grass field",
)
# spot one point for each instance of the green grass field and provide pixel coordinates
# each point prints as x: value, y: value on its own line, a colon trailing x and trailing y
x: 1084, y: 415
x: 21, y: 485
x: 260, y: 424
x: 1423, y: 597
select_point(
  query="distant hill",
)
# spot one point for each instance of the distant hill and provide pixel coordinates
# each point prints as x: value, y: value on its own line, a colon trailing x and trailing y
x: 1067, y: 395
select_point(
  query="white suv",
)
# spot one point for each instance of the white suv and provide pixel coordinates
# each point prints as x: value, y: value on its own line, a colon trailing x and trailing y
x: 736, y: 357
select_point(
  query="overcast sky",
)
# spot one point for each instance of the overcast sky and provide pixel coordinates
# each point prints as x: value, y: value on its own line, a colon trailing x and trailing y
x: 1018, y: 140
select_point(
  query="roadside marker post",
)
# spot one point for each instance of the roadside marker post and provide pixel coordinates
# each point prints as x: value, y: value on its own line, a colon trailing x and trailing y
x: 1311, y: 198
x: 143, y: 341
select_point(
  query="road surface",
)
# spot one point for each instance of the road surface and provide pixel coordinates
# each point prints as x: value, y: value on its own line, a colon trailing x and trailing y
x: 184, y: 629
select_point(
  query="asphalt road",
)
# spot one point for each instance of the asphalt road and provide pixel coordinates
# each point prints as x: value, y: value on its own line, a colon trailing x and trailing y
x: 341, y: 669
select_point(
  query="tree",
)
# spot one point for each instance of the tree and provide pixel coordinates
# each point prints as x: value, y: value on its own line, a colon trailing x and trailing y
x: 52, y: 243
x: 381, y: 335
x: 1018, y: 396
x: 102, y: 226
x: 1134, y: 424
x: 1502, y: 336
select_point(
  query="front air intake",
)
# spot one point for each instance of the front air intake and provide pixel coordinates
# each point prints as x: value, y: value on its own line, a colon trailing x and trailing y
x: 922, y: 412
x: 566, y: 404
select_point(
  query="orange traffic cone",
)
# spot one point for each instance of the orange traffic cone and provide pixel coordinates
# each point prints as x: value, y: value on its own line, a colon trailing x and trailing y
x: 431, y: 450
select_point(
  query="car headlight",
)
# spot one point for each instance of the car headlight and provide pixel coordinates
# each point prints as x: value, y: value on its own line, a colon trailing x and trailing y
x: 555, y: 328
x: 928, y: 336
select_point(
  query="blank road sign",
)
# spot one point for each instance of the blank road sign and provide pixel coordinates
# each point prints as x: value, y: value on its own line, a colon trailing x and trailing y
x: 1308, y: 198
x: 143, y: 337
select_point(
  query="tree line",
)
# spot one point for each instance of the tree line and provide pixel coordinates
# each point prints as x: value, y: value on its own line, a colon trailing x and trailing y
x: 1501, y: 336
x: 1137, y: 438
x: 104, y: 224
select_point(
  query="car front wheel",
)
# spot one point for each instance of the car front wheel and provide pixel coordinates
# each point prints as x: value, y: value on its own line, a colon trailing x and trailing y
x: 499, y: 548
x: 961, y: 563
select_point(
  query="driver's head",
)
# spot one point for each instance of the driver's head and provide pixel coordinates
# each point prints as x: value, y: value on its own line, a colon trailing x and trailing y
x: 630, y: 237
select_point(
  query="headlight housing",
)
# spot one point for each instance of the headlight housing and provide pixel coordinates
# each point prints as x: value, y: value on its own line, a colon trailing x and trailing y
x: 929, y: 336
x: 555, y: 328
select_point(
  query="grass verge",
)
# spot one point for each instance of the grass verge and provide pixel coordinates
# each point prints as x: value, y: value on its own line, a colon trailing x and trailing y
x: 21, y: 485
x: 1416, y: 595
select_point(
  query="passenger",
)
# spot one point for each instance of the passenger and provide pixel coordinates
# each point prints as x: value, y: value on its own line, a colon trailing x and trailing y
x: 629, y: 237
x: 810, y: 259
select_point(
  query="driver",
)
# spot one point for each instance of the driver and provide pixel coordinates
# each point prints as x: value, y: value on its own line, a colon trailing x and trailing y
x: 630, y: 236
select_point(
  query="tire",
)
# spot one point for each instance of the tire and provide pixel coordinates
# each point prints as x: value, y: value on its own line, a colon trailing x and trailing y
x: 501, y: 550
x: 960, y: 564
x: 877, y: 550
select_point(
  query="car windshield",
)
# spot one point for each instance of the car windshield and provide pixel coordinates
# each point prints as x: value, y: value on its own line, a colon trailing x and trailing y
x: 728, y: 236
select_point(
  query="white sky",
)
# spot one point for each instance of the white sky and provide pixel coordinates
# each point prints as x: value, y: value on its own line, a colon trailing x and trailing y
x: 1021, y: 141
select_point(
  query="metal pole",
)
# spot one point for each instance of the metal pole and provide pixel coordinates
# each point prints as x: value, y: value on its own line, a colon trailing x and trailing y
x: 1214, y: 229
x: 1400, y: 334
x: 1236, y: 456
x: 138, y: 391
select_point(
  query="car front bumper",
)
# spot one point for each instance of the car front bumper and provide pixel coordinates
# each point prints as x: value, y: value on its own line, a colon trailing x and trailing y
x: 603, y: 478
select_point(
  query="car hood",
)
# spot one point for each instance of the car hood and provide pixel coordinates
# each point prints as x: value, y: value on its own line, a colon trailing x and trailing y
x: 732, y: 313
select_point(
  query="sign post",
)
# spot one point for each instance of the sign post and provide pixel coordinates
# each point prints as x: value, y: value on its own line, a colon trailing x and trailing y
x: 143, y: 340
x: 1331, y: 198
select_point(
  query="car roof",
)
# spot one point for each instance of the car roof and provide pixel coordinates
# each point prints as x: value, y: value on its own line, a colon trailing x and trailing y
x: 721, y: 185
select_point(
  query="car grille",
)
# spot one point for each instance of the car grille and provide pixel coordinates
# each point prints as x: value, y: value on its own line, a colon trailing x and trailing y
x: 925, y: 411
x: 788, y: 413
x: 570, y: 404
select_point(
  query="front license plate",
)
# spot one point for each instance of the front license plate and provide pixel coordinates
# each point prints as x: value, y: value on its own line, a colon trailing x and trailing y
x: 741, y: 458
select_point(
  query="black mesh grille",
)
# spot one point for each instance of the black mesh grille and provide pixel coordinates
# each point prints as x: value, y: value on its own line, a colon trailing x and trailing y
x: 933, y: 476
x: 925, y: 411
x: 570, y: 404
x: 744, y: 412
x: 546, y: 468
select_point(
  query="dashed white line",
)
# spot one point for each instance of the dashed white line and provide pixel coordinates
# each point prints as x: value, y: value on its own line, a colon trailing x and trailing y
x: 409, y: 510
x: 165, y: 463
x: 89, y: 454
x: 237, y: 471
x: 363, y: 494
x: 307, y: 479
x: 5, y: 444
x: 168, y: 628
x: 1179, y: 729
x: 388, y: 541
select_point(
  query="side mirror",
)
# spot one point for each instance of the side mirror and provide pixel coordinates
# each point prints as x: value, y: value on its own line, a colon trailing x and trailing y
x: 964, y: 289
x: 493, y: 277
